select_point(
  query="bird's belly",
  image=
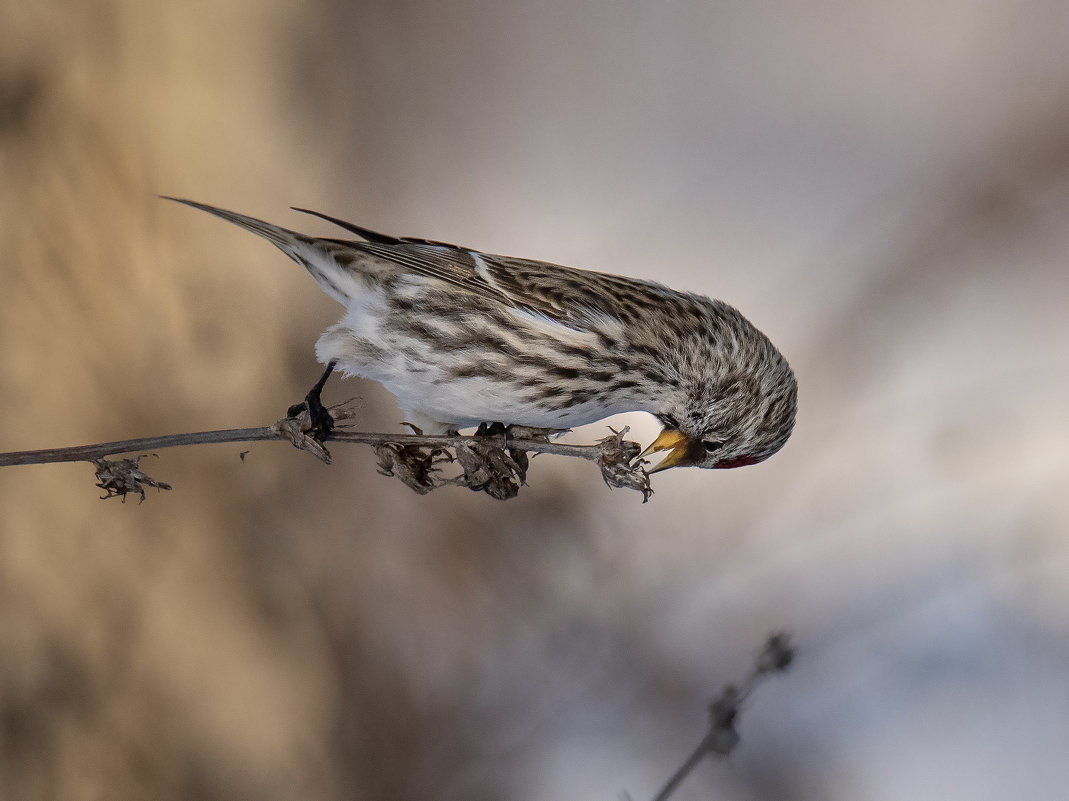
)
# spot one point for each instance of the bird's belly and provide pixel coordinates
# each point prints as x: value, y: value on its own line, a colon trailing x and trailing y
x: 434, y: 393
x: 468, y: 384
x: 470, y: 401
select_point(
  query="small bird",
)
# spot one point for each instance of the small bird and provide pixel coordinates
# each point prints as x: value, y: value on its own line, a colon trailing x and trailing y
x: 462, y: 337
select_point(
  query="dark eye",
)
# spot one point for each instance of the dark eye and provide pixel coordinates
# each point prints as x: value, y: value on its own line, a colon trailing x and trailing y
x: 712, y: 445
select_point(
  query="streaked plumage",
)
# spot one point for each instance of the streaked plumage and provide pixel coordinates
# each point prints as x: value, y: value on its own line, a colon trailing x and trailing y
x: 462, y: 337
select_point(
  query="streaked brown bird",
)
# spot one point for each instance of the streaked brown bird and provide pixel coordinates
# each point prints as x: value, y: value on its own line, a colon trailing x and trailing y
x: 462, y: 337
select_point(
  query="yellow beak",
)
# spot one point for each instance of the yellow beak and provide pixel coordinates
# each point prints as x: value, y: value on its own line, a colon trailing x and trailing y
x: 675, y: 442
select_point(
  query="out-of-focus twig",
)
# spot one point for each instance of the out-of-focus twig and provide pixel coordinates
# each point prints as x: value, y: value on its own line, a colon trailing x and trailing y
x: 721, y: 739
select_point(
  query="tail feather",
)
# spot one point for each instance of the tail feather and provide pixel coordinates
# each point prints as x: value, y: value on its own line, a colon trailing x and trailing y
x: 283, y: 238
x: 315, y: 255
x: 359, y: 230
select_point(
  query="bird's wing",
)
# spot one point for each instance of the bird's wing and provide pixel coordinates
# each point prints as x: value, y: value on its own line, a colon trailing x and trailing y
x: 567, y: 295
x: 576, y: 299
x: 454, y: 265
x: 461, y: 268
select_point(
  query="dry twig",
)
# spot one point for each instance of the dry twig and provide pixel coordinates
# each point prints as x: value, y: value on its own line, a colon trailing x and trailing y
x: 120, y: 477
x: 776, y: 656
x: 494, y: 460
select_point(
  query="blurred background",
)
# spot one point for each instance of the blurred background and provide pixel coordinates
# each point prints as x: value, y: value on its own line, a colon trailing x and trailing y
x: 882, y: 187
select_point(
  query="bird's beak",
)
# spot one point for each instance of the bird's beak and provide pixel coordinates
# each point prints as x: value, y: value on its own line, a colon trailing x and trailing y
x: 675, y: 442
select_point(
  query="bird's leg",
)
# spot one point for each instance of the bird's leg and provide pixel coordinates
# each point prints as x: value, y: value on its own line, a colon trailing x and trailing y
x: 494, y: 430
x: 320, y: 418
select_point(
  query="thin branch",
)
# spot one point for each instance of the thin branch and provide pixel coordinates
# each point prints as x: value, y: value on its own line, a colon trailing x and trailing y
x: 87, y: 453
x: 776, y: 656
x: 494, y: 460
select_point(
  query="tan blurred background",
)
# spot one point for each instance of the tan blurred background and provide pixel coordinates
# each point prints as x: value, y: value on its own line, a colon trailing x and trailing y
x: 882, y: 187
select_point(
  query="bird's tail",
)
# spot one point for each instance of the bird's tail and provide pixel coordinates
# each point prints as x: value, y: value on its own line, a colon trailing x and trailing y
x: 309, y: 252
x: 283, y: 238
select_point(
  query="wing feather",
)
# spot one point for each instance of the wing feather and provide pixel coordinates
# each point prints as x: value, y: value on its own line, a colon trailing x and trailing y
x: 575, y: 298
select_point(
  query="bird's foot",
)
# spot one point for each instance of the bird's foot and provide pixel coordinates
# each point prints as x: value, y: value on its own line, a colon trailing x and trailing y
x: 491, y: 430
x: 511, y: 433
x: 320, y: 420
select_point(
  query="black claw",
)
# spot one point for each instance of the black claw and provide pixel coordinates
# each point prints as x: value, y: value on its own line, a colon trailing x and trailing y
x: 490, y: 430
x: 320, y: 418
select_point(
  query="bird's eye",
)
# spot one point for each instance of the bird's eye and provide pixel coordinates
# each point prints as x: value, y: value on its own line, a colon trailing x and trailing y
x: 712, y: 445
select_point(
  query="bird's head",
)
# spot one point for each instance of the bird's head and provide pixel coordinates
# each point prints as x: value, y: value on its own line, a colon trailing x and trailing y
x: 737, y: 417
